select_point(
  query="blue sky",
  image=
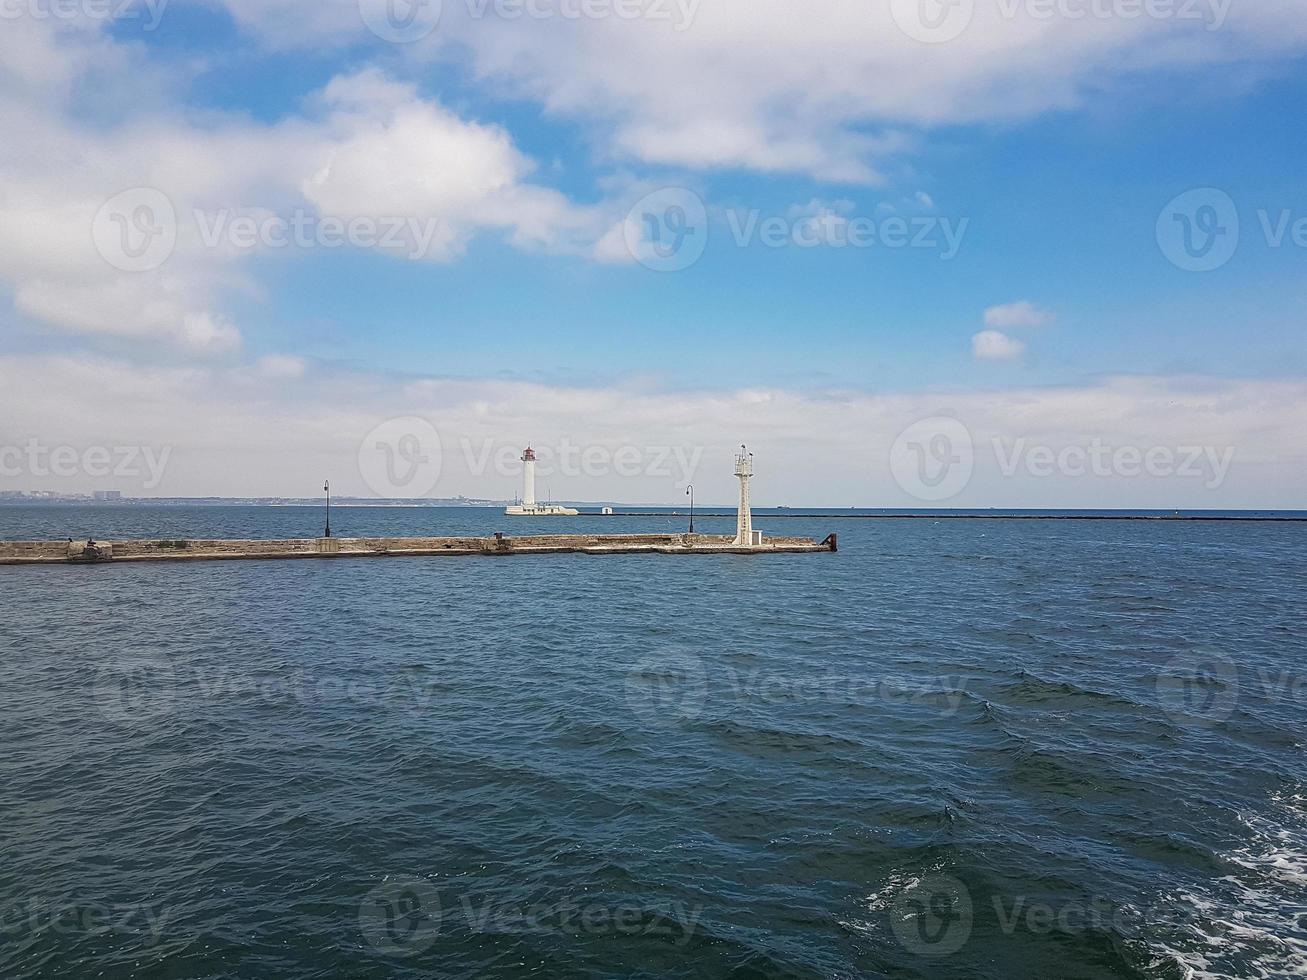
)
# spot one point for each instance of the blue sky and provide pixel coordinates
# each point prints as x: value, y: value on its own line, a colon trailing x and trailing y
x: 1061, y: 209
x: 1050, y: 146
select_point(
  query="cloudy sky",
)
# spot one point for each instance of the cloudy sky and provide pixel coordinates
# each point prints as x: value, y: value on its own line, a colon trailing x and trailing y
x: 914, y: 252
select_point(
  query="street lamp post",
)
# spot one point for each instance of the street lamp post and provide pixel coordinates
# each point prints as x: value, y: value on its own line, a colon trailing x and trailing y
x: 690, y: 492
x: 326, y: 488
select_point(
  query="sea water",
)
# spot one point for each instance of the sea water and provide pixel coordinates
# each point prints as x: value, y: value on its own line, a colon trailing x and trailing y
x: 957, y: 748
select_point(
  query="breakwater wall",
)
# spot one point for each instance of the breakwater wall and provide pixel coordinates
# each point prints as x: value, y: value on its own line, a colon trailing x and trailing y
x: 162, y: 549
x: 1249, y: 518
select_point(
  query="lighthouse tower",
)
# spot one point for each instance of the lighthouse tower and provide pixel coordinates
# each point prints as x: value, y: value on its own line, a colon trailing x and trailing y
x: 528, y: 507
x: 528, y: 478
x: 744, y: 533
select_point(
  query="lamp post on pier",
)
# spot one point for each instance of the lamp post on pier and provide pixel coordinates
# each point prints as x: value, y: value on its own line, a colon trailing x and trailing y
x: 326, y: 488
x: 690, y: 491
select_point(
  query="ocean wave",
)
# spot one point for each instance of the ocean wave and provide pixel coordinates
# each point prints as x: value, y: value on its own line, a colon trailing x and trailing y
x: 1251, y: 923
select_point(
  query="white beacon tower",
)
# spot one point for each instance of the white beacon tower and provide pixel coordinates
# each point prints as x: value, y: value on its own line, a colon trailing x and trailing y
x: 745, y: 535
x: 529, y: 478
x: 528, y: 507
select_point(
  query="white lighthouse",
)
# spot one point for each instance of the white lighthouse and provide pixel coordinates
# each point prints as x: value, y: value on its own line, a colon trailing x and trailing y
x: 745, y: 535
x: 529, y: 478
x: 528, y: 507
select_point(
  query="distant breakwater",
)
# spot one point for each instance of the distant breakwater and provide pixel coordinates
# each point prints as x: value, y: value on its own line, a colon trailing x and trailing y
x: 997, y: 516
x: 97, y: 552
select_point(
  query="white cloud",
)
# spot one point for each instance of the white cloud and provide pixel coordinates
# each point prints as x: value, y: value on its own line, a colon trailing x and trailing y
x: 830, y: 88
x: 818, y: 208
x: 1015, y: 316
x: 821, y: 222
x: 611, y: 249
x: 296, y: 23
x: 282, y: 366
x: 369, y: 148
x: 993, y: 345
x: 235, y: 432
x: 390, y: 153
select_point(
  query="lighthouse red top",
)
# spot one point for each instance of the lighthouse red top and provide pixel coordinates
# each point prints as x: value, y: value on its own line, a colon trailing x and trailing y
x: 529, y: 456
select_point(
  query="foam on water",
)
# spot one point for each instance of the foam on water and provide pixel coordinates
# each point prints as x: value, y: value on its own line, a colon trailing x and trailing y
x: 1252, y: 924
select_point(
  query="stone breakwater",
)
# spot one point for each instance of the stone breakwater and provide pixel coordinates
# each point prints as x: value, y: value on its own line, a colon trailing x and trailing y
x: 107, y: 552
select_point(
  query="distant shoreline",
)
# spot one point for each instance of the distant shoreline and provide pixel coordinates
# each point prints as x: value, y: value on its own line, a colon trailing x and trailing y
x: 1289, y: 517
x: 591, y: 509
x: 246, y: 502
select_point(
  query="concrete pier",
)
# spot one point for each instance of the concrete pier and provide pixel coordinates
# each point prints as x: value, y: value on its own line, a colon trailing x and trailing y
x: 109, y: 552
